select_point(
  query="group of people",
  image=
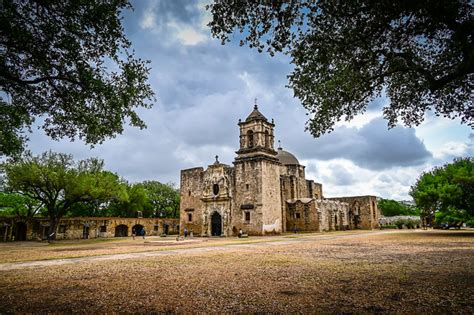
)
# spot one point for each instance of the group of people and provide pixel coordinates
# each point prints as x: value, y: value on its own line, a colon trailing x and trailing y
x: 186, y: 233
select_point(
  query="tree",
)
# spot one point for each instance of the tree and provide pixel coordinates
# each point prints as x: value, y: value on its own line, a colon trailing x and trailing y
x: 390, y: 208
x: 347, y: 53
x: 59, y: 183
x: 55, y: 58
x: 99, y: 206
x: 163, y: 197
x: 447, y: 192
x: 135, y: 200
x: 19, y: 205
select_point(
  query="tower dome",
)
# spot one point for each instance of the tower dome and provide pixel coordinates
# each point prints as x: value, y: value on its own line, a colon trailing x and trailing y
x: 286, y: 158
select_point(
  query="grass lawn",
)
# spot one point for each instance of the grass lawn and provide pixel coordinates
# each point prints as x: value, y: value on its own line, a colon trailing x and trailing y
x: 361, y: 272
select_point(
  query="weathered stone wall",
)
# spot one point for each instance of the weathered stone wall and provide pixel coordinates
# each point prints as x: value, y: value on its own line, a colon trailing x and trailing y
x: 191, y: 190
x: 84, y: 227
x: 332, y: 215
x: 315, y: 190
x: 248, y: 197
x: 363, y: 211
x: 301, y: 215
x: 272, y: 216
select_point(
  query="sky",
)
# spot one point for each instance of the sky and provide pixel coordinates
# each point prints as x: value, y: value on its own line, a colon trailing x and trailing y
x: 203, y: 88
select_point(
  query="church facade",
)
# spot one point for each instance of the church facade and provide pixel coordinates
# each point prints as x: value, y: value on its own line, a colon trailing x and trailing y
x: 264, y: 192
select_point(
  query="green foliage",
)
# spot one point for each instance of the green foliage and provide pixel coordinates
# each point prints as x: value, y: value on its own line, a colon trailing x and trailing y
x: 345, y: 53
x: 447, y: 191
x: 12, y: 204
x: 407, y: 222
x: 390, y: 208
x: 152, y: 198
x: 135, y: 200
x: 164, y: 198
x: 399, y: 223
x: 69, y: 62
x: 58, y: 182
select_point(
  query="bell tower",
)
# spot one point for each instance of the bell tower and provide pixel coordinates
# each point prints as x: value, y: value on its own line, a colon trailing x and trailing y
x: 257, y: 199
x: 256, y: 137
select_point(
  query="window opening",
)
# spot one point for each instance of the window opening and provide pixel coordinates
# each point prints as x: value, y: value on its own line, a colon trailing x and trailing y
x: 250, y: 138
x: 247, y: 216
x: 215, y: 189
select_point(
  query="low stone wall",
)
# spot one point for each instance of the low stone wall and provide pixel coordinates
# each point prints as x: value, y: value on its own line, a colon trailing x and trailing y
x: 20, y: 229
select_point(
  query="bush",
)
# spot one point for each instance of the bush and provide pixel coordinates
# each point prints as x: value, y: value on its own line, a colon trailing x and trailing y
x: 470, y: 223
x: 409, y: 224
x: 389, y: 226
x: 399, y: 223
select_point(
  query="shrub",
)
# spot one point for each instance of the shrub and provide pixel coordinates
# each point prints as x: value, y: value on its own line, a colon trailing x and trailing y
x: 399, y: 223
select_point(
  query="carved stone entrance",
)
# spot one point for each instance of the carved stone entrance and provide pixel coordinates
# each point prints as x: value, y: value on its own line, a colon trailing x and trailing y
x: 216, y: 224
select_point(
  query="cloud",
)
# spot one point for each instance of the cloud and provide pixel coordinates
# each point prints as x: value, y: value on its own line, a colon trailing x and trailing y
x: 203, y: 88
x: 175, y: 20
x: 372, y: 146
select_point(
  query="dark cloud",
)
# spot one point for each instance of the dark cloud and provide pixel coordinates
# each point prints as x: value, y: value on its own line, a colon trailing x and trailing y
x: 373, y: 146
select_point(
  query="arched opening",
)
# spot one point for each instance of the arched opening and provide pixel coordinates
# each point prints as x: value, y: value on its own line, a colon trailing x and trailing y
x: 19, y: 231
x: 139, y: 229
x: 215, y: 189
x: 374, y: 210
x: 267, y: 139
x: 216, y: 224
x: 85, y: 232
x: 166, y: 228
x: 250, y: 139
x: 121, y: 230
x: 3, y: 232
x: 356, y: 213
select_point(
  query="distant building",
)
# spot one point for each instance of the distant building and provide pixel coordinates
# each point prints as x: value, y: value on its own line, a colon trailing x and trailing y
x: 264, y: 192
x: 28, y: 229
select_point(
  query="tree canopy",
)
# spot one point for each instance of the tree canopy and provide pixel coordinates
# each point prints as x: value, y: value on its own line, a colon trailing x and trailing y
x: 347, y: 53
x: 390, y: 208
x: 69, y: 63
x: 447, y: 192
x: 18, y: 205
x: 58, y: 182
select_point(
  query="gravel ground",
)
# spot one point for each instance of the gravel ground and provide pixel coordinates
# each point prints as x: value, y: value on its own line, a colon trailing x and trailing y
x: 378, y: 272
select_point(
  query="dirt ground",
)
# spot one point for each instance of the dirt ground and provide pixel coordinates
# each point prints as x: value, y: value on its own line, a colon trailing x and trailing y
x: 343, y: 273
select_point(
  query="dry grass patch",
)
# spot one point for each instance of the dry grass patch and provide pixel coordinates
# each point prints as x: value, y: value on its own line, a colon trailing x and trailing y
x: 386, y: 273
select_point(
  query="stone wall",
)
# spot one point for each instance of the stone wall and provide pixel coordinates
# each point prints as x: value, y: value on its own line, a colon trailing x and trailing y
x: 333, y: 215
x: 301, y: 215
x: 14, y: 228
x: 191, y: 206
x: 272, y: 218
x: 363, y: 211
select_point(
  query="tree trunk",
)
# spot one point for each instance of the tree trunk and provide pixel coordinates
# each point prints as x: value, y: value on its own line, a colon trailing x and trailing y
x: 53, y: 226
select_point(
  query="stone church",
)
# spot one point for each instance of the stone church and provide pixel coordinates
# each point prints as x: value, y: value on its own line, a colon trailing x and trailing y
x: 264, y: 192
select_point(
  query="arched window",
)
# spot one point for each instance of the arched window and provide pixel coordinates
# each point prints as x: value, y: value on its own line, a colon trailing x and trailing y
x: 215, y: 189
x: 267, y: 139
x: 250, y: 139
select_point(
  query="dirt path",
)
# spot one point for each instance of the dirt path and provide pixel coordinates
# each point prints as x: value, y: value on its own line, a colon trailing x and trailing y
x: 299, y: 239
